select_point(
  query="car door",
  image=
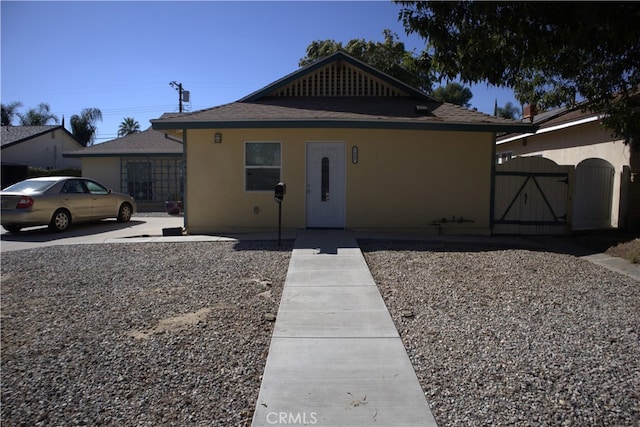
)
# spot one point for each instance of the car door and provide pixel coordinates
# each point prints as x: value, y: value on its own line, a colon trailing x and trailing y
x: 104, y: 204
x: 77, y: 199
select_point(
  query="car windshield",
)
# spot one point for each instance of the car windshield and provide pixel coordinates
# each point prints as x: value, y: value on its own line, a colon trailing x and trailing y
x: 29, y: 186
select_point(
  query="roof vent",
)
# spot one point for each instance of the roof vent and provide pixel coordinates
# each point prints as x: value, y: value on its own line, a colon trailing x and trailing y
x: 422, y: 109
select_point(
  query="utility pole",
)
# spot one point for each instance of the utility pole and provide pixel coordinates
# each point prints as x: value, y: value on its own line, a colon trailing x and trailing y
x: 178, y: 87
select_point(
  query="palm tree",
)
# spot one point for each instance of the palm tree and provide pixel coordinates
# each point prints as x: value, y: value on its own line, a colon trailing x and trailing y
x: 38, y: 116
x: 9, y: 112
x: 83, y: 126
x: 128, y: 126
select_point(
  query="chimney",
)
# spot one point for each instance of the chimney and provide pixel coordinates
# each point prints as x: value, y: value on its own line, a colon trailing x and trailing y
x: 529, y: 111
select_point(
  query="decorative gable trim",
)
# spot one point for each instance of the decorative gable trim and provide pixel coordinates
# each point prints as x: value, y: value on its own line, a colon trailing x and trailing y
x: 338, y: 78
x: 337, y: 75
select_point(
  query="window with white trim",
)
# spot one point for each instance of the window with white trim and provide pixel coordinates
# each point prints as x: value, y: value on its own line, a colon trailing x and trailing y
x: 262, y: 164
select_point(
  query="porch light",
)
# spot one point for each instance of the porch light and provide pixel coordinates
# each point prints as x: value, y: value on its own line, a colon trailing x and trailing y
x: 217, y: 138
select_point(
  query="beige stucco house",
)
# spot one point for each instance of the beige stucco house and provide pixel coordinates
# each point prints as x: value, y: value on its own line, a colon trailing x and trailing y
x: 606, y: 192
x: 147, y: 165
x: 38, y: 146
x: 356, y: 148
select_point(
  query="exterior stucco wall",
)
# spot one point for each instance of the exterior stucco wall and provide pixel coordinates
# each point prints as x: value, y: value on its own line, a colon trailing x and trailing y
x: 44, y: 151
x: 403, y: 179
x: 572, y: 145
x: 105, y: 170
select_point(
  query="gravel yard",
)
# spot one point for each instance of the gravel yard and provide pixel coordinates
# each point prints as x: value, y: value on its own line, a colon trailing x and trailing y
x: 174, y: 333
x: 514, y: 337
x: 137, y: 334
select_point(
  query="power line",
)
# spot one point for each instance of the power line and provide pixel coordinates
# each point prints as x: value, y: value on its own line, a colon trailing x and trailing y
x: 183, y: 95
x: 127, y: 110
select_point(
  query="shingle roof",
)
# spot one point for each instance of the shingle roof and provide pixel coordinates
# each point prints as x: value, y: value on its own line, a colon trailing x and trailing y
x: 560, y: 116
x: 148, y: 142
x: 341, y: 108
x: 15, y: 134
x: 293, y: 108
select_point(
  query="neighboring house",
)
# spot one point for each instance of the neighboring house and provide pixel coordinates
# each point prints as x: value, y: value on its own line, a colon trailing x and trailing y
x: 356, y: 148
x: 147, y: 165
x: 607, y: 171
x: 38, y: 146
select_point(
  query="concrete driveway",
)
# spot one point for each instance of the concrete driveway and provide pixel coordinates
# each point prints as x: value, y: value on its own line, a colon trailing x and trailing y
x: 96, y: 232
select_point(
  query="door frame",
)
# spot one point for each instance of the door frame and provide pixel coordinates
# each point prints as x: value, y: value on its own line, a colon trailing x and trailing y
x: 343, y: 182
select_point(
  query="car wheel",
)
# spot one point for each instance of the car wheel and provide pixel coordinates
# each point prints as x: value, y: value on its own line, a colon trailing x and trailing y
x: 12, y: 228
x: 125, y: 212
x: 60, y: 221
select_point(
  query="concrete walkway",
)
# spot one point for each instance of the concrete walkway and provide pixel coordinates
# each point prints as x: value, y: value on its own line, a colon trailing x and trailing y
x: 336, y: 358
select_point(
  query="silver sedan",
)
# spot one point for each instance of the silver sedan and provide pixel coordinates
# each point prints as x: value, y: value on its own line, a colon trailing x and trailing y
x: 60, y: 201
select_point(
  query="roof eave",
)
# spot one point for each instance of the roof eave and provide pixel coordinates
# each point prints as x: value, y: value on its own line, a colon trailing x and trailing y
x: 121, y: 154
x: 345, y: 124
x: 540, y: 128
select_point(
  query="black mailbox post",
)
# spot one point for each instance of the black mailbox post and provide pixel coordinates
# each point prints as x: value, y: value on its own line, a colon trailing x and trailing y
x: 278, y: 194
x: 279, y: 191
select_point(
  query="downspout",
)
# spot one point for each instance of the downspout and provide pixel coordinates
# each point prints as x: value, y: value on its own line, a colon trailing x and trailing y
x: 492, y: 195
x: 185, y: 205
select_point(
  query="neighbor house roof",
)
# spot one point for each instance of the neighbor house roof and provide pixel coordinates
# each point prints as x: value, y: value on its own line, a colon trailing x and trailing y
x: 148, y: 142
x: 339, y: 92
x: 555, y: 119
x: 12, y: 135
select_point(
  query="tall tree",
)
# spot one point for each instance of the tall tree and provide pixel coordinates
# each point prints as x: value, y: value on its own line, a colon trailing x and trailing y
x: 389, y: 56
x: 83, y: 126
x: 39, y: 116
x: 549, y: 53
x: 128, y: 126
x: 453, y: 93
x: 9, y: 112
x: 509, y: 111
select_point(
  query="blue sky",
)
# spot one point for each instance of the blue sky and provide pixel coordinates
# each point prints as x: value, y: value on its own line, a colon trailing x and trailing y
x: 120, y: 56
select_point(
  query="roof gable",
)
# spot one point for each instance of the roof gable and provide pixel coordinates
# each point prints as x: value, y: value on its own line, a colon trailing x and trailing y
x: 12, y: 135
x: 339, y: 91
x: 338, y: 75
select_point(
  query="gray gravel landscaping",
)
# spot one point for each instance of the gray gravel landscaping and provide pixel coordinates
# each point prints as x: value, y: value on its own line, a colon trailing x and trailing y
x: 137, y: 334
x: 514, y: 337
x: 175, y: 334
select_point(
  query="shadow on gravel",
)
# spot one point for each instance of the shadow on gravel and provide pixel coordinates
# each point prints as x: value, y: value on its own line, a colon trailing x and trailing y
x: 578, y: 244
x: 264, y: 245
x: 42, y: 234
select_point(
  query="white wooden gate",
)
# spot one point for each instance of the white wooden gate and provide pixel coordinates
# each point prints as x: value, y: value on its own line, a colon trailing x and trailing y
x: 531, y: 197
x: 594, y: 194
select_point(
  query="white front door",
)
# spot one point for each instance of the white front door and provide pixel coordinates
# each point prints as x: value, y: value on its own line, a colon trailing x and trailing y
x: 325, y: 184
